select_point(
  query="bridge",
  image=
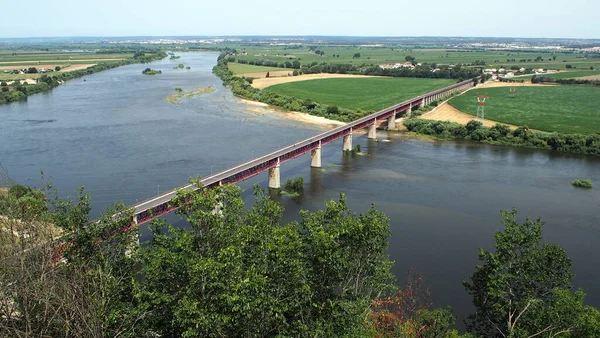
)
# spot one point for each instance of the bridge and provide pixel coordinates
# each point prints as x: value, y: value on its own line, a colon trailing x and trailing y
x: 160, y: 205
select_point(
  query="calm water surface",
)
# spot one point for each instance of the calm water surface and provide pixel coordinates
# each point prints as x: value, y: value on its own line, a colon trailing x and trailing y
x: 113, y: 133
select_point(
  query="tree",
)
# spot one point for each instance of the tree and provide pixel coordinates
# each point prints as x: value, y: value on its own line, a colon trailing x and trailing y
x: 57, y: 68
x: 522, y: 289
x: 554, y: 57
x: 242, y: 273
x: 86, y: 295
x: 32, y: 70
x: 568, y: 66
x: 409, y: 58
x: 356, y: 56
x: 268, y: 74
x: 332, y: 110
x: 3, y: 84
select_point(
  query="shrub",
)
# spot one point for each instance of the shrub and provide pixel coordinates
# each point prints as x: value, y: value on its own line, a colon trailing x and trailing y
x: 296, y: 184
x: 582, y: 183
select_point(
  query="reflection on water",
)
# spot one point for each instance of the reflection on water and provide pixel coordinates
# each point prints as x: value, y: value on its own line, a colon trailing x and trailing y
x: 115, y: 135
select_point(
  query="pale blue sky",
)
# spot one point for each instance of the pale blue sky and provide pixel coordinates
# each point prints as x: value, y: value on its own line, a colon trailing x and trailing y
x: 500, y: 18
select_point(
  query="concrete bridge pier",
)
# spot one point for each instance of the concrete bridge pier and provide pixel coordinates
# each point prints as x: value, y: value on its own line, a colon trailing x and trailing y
x: 274, y: 177
x: 392, y: 121
x: 348, y: 141
x: 315, y: 157
x: 409, y: 111
x: 372, y: 131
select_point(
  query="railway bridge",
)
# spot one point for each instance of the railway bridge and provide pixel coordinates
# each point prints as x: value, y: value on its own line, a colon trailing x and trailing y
x: 160, y: 205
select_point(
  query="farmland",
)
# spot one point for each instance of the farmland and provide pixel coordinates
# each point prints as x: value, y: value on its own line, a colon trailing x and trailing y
x: 358, y: 55
x: 367, y: 94
x: 564, y: 109
x: 237, y: 68
x: 17, y: 59
x: 573, y: 75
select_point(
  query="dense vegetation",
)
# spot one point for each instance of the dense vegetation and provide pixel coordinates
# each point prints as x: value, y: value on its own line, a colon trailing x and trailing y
x: 243, y: 88
x: 240, y: 272
x: 504, y: 136
x: 149, y: 71
x: 562, y: 81
x: 366, y: 94
x: 563, y: 109
x: 47, y: 82
x: 583, y: 183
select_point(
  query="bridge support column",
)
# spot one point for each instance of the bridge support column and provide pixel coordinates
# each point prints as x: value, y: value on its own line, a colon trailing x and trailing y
x: 372, y: 131
x: 274, y: 177
x: 315, y: 157
x: 392, y: 122
x: 348, y: 142
x: 409, y: 111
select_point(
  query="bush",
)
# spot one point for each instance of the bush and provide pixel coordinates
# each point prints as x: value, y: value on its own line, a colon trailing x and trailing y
x: 501, y: 135
x: 296, y: 184
x: 583, y: 183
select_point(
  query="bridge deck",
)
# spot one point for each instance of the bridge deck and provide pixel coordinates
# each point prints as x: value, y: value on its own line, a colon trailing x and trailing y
x: 159, y: 205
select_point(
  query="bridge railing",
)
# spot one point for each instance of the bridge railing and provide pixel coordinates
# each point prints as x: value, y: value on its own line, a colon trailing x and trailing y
x: 295, y: 150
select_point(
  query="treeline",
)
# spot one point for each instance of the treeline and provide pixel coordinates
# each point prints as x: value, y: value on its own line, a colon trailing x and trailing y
x: 47, y: 82
x: 504, y: 136
x: 421, y: 71
x: 242, y: 87
x: 427, y: 71
x: 546, y: 79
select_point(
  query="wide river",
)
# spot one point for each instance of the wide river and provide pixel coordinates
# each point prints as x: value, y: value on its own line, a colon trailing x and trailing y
x: 114, y: 133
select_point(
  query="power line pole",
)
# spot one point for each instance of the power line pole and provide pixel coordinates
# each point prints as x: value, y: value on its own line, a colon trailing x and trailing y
x: 481, y: 107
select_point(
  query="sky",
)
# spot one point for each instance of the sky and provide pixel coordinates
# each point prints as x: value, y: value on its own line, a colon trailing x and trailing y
x: 481, y: 18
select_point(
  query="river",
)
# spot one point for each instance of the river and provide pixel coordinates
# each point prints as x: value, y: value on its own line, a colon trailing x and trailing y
x: 113, y: 133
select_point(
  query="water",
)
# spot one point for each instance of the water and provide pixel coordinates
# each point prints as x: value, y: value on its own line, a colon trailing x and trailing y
x: 113, y: 133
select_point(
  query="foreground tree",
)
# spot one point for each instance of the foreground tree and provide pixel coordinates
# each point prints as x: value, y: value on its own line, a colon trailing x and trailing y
x: 522, y: 289
x: 59, y: 275
x: 241, y: 273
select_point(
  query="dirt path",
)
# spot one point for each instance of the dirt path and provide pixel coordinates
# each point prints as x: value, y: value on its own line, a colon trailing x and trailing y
x: 494, y: 84
x: 77, y: 67
x: 446, y: 112
x: 271, y: 81
x: 589, y: 77
x: 272, y: 74
x: 35, y: 63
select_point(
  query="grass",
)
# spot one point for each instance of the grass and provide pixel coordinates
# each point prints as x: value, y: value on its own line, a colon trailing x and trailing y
x: 238, y: 68
x: 572, y: 75
x: 367, y: 94
x: 177, y: 98
x: 564, y: 109
x: 389, y: 54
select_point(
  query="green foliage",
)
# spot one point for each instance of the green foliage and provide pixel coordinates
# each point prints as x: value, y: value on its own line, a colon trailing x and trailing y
x: 520, y: 286
x: 296, y: 184
x: 149, y: 71
x: 501, y: 135
x: 582, y: 183
x: 89, y: 295
x: 178, y: 89
x: 241, y: 273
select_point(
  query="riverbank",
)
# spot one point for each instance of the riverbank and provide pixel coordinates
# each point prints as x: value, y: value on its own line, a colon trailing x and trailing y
x: 49, y: 81
x: 263, y: 108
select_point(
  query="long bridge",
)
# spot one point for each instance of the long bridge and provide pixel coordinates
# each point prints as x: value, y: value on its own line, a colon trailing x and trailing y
x: 160, y: 205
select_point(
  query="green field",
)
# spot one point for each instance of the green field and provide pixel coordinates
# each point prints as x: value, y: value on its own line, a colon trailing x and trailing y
x: 573, y: 75
x: 367, y: 94
x: 385, y: 55
x: 238, y: 68
x: 565, y: 109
